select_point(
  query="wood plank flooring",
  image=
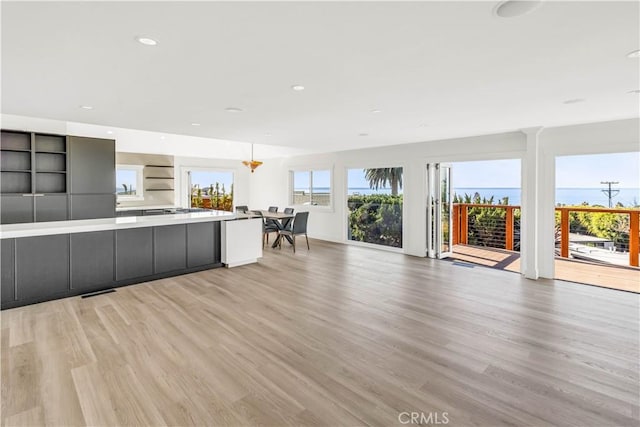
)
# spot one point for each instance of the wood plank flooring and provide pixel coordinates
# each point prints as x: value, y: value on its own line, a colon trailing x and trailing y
x: 608, y: 276
x: 337, y: 336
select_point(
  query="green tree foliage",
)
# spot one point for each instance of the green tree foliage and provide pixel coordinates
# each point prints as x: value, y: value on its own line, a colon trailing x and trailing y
x: 216, y: 197
x: 376, y: 218
x: 380, y: 177
x: 606, y: 225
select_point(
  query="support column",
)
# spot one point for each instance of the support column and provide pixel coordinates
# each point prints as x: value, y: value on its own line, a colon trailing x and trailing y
x: 530, y: 221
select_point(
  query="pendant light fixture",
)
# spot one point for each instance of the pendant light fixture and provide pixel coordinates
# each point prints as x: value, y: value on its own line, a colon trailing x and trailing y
x: 253, y: 164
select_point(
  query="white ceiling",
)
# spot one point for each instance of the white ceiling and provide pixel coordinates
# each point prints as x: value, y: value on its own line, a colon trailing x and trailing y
x: 434, y: 69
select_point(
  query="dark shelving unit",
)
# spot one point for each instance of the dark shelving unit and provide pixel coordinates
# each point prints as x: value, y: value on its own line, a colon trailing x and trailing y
x: 50, y: 163
x: 16, y: 159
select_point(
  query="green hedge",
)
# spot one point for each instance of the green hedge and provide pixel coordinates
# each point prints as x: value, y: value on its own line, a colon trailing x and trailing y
x: 376, y: 218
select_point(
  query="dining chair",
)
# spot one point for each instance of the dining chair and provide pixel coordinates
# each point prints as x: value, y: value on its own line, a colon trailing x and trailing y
x: 242, y: 209
x: 287, y: 221
x: 266, y: 227
x: 273, y: 209
x: 299, y: 227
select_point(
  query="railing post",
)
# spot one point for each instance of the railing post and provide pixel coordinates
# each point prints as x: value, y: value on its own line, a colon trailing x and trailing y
x: 464, y: 225
x: 508, y: 244
x: 634, y: 229
x: 564, y: 233
x: 456, y: 224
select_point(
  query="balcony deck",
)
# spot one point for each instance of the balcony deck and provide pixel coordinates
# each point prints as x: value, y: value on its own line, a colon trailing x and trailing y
x: 615, y: 277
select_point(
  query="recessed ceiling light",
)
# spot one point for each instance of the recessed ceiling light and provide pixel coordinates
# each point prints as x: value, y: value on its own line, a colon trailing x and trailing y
x: 634, y: 91
x: 110, y: 132
x: 574, y: 101
x: 376, y: 111
x: 233, y: 110
x: 147, y: 41
x: 195, y: 124
x: 513, y: 8
x: 297, y: 88
x: 86, y: 107
x: 267, y: 134
x: 163, y: 137
x: 634, y: 54
x: 363, y: 134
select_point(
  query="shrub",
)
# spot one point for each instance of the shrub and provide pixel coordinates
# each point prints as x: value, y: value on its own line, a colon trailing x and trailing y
x: 376, y: 218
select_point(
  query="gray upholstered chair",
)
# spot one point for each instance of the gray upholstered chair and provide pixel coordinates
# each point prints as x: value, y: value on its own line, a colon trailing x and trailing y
x: 299, y: 227
x: 266, y: 227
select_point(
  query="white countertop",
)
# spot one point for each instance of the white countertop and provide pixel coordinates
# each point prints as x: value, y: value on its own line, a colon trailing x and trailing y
x: 143, y: 208
x: 10, y: 231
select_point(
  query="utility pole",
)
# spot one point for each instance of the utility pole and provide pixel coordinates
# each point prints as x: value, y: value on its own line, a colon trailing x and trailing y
x: 609, y: 192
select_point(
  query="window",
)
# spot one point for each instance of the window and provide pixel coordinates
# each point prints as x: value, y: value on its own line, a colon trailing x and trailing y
x: 211, y: 189
x: 129, y: 182
x: 311, y: 187
x: 374, y: 200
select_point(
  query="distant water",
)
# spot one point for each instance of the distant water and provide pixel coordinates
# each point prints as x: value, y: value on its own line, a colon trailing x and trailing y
x: 565, y: 196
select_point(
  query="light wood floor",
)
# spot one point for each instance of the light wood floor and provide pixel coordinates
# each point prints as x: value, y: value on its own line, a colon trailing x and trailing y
x: 340, y: 335
x: 608, y: 276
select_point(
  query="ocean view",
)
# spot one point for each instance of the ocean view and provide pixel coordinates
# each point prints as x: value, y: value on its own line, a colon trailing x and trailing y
x: 567, y: 196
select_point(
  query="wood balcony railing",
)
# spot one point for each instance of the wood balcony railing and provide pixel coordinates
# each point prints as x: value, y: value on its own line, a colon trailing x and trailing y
x: 505, y: 230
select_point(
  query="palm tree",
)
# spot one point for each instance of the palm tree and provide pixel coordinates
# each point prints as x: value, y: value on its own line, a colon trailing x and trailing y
x: 379, y: 177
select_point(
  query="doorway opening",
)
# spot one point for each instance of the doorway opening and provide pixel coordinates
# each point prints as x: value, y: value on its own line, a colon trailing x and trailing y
x: 473, y: 215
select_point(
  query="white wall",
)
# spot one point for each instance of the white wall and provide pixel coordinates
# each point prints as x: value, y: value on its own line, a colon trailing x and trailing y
x: 330, y: 224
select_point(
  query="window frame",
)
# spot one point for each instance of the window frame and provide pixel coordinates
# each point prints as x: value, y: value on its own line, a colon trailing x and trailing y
x: 311, y: 170
x: 139, y: 170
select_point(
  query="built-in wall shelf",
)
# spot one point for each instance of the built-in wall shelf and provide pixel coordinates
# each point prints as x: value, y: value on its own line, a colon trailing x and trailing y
x: 32, y: 162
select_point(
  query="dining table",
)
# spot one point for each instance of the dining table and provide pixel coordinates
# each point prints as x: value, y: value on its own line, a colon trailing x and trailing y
x: 280, y: 220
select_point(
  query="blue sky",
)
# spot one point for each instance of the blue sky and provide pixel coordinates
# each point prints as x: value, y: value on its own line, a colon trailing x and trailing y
x: 571, y: 172
x: 204, y: 179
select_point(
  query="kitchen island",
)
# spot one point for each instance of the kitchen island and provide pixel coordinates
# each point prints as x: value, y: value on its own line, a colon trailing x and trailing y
x: 49, y: 260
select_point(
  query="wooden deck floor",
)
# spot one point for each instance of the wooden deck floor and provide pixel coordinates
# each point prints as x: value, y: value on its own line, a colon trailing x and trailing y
x: 622, y: 278
x: 335, y: 336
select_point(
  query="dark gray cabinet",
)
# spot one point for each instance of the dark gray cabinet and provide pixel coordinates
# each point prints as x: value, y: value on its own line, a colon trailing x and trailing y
x: 16, y: 208
x: 50, y: 207
x: 134, y: 253
x: 93, y: 165
x: 92, y: 260
x: 200, y: 244
x: 7, y: 271
x: 91, y: 206
x: 170, y: 248
x: 34, y: 269
x: 42, y: 266
x: 47, y: 169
